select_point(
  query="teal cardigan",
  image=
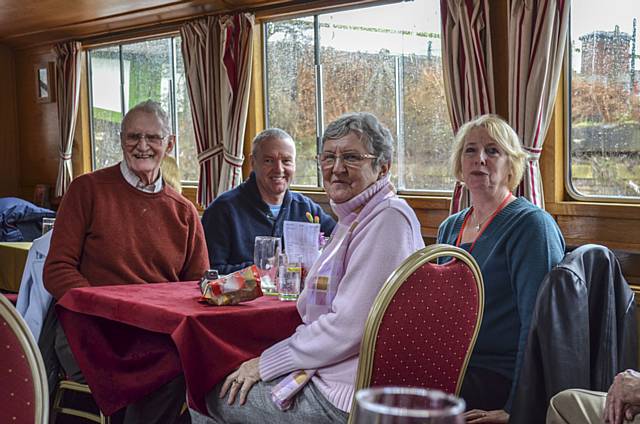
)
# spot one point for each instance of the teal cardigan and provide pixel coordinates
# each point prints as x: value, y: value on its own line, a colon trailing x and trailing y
x: 515, y: 252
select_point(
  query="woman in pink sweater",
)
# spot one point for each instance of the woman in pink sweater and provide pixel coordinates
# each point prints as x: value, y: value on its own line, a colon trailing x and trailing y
x: 310, y: 376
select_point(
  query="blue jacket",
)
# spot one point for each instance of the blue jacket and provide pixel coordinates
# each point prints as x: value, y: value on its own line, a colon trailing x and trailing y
x: 232, y: 222
x: 21, y: 220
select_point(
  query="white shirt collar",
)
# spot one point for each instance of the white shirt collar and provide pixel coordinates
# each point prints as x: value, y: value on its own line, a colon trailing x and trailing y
x: 136, y: 182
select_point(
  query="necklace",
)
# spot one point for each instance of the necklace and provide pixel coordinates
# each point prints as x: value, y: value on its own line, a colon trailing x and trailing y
x: 480, y: 227
x: 480, y: 223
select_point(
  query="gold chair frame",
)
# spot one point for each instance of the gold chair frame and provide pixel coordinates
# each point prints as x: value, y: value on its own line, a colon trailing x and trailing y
x: 388, y: 291
x: 34, y: 359
x: 76, y: 387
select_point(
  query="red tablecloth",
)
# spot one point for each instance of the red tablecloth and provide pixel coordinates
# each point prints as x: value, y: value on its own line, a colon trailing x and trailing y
x: 130, y: 340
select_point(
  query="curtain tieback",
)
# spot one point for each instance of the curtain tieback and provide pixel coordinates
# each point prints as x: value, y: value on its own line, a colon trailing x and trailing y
x: 64, y: 156
x: 533, y: 154
x: 235, y: 161
x: 232, y: 160
x: 210, y: 153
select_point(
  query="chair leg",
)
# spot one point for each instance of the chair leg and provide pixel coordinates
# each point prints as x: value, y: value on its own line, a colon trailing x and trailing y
x: 57, y: 408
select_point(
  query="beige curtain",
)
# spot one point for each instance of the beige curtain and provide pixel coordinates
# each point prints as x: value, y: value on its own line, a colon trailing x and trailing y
x: 68, y: 67
x: 537, y: 39
x: 217, y: 53
x: 467, y: 67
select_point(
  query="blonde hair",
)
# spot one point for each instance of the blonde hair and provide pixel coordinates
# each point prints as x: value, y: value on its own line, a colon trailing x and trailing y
x: 171, y: 173
x: 503, y: 135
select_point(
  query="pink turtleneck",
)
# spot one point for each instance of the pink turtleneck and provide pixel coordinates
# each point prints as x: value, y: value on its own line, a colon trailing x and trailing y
x: 380, y: 242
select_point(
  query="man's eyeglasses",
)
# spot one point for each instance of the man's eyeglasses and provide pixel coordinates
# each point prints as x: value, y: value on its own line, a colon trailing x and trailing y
x: 134, y: 138
x: 328, y: 159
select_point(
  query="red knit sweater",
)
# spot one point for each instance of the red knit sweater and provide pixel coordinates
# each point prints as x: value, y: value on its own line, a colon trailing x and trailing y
x: 108, y: 232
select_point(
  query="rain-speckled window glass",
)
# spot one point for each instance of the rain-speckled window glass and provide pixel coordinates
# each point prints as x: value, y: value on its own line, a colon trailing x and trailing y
x: 385, y: 60
x: 122, y: 76
x: 605, y: 100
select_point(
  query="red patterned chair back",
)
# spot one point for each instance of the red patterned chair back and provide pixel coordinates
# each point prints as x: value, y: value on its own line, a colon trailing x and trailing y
x: 424, y: 323
x: 24, y: 397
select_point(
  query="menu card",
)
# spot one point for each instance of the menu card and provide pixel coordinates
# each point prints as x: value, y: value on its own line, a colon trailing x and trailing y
x: 302, y: 238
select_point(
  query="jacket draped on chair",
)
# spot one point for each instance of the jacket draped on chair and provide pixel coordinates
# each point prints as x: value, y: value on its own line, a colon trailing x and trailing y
x: 583, y: 331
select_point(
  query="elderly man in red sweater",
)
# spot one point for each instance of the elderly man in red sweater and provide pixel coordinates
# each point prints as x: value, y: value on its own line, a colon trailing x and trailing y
x: 124, y: 225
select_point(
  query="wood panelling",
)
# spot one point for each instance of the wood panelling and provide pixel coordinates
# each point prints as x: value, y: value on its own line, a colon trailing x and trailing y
x: 614, y: 233
x: 37, y: 125
x: 25, y: 23
x: 9, y: 135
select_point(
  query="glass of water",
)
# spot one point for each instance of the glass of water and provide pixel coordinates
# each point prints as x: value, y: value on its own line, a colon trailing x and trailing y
x: 289, y: 276
x: 265, y: 257
x: 407, y: 405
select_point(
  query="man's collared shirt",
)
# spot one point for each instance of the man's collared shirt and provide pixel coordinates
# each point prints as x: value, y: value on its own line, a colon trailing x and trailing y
x: 136, y: 182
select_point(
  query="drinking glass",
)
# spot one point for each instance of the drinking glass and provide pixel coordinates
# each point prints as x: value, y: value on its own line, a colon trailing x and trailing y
x: 289, y: 276
x: 265, y: 257
x: 407, y: 405
x: 47, y: 225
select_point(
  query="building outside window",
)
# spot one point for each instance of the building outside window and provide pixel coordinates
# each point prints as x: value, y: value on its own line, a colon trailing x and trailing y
x: 123, y: 75
x: 604, y: 148
x: 385, y: 60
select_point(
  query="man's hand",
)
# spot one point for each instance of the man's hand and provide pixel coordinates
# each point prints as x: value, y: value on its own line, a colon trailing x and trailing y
x: 241, y: 380
x: 623, y: 398
x: 479, y: 416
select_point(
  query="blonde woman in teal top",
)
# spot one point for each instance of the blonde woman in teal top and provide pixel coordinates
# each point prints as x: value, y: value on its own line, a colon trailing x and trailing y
x: 515, y: 244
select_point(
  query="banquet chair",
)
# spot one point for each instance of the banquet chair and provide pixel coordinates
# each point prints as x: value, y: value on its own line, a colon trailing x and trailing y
x: 24, y: 397
x: 58, y: 408
x: 11, y: 297
x: 423, y: 324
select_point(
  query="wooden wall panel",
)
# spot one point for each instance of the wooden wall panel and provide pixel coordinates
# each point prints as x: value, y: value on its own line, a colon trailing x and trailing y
x: 9, y: 125
x: 615, y: 233
x: 37, y: 124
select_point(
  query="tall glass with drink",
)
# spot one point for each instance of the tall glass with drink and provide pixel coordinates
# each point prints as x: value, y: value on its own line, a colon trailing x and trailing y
x: 265, y: 257
x: 289, y: 276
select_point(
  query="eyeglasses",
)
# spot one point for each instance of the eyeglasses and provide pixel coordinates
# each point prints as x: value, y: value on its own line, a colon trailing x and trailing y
x: 328, y: 159
x: 132, y: 139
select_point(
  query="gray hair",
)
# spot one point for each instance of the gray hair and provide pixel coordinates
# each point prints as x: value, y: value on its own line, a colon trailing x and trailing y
x: 376, y: 138
x: 149, y: 106
x: 268, y: 134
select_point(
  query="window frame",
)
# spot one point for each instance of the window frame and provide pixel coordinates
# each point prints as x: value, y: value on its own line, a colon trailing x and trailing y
x: 438, y: 195
x: 572, y: 194
x: 173, y: 113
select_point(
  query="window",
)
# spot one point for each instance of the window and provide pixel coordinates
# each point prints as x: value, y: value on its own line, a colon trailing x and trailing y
x: 385, y: 60
x: 122, y: 76
x: 604, y: 148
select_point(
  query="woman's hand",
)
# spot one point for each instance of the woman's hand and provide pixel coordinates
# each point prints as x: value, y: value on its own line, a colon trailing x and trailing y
x: 241, y: 380
x: 479, y: 416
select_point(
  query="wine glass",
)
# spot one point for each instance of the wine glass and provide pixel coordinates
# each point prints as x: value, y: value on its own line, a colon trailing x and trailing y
x: 407, y: 405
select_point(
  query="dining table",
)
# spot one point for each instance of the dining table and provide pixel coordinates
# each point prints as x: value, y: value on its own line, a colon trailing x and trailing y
x: 129, y: 340
x: 13, y: 256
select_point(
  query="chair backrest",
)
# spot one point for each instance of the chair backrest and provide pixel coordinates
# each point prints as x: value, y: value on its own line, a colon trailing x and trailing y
x: 24, y: 397
x: 424, y: 323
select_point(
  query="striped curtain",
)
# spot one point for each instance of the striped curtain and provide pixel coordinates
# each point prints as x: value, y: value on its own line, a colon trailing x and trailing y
x: 68, y: 68
x: 217, y: 53
x: 537, y: 39
x: 467, y: 67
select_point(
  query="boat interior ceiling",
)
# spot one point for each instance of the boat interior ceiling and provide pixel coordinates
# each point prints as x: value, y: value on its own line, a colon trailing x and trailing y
x: 24, y: 23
